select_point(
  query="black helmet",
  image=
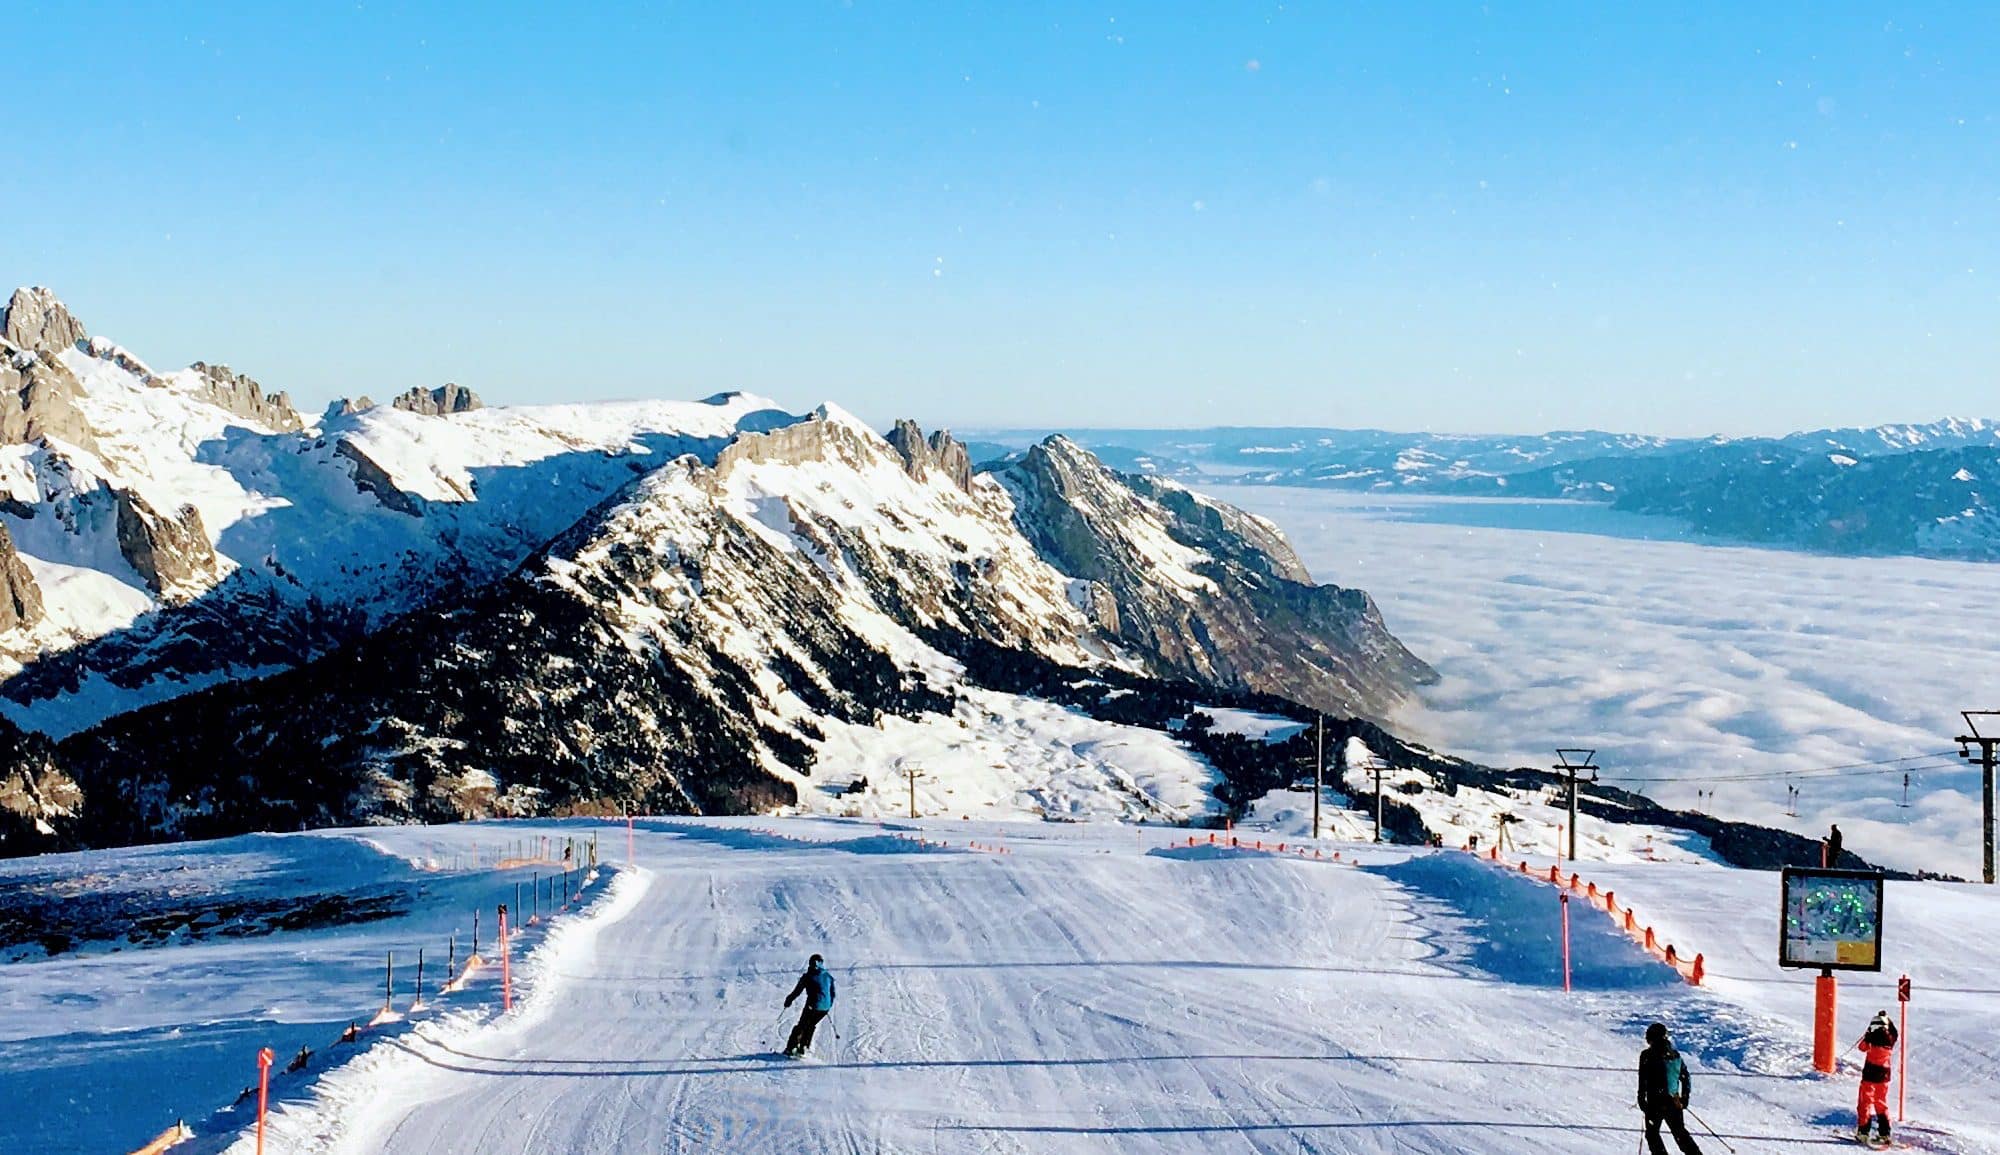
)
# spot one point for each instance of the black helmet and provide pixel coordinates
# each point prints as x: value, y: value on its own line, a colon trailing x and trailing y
x: 813, y: 961
x: 1657, y: 1033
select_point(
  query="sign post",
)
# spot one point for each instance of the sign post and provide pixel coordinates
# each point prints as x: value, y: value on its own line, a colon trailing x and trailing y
x: 1830, y: 920
x: 1902, y: 1045
x: 506, y: 969
x: 1565, y: 907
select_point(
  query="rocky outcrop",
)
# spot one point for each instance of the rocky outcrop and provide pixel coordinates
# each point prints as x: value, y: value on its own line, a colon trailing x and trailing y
x: 348, y: 407
x: 227, y: 389
x: 38, y: 398
x: 370, y: 477
x: 36, y: 321
x: 20, y: 597
x: 1213, y: 526
x: 943, y: 561
x: 940, y: 453
x: 445, y: 399
x: 39, y: 804
x: 172, y: 553
x: 1206, y: 592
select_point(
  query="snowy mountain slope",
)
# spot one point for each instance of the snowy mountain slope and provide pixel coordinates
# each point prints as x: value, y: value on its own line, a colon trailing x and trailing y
x: 1204, y: 591
x: 190, y: 531
x: 1096, y: 989
x: 306, y: 538
x: 716, y: 639
x: 1384, y: 459
x: 171, y: 966
x: 1906, y: 489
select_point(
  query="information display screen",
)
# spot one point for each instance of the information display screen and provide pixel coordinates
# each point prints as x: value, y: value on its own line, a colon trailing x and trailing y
x: 1831, y: 919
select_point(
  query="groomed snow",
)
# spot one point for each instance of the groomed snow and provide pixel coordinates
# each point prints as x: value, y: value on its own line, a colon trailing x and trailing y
x: 1561, y: 624
x: 1106, y: 988
x: 1096, y: 988
x: 107, y: 1043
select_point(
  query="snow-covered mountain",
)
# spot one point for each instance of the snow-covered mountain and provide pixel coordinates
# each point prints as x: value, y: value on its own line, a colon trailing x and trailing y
x: 1917, y: 489
x: 160, y: 532
x: 235, y: 617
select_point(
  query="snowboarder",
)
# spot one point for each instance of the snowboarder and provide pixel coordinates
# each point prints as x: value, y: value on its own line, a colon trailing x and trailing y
x: 1664, y: 1088
x: 1876, y: 1047
x: 1833, y: 847
x: 817, y: 986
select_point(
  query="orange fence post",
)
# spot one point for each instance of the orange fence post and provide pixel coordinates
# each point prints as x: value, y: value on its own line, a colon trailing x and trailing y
x: 264, y: 1060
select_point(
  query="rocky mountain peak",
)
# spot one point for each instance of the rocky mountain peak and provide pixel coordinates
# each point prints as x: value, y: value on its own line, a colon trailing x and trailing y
x: 1205, y: 591
x: 449, y: 397
x: 940, y: 452
x: 36, y: 320
x: 241, y: 395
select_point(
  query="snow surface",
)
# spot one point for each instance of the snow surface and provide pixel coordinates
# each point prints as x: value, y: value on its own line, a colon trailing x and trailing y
x: 1250, y: 723
x: 1566, y: 624
x: 1537, y: 821
x: 1095, y: 988
x: 1003, y: 756
x: 110, y: 1042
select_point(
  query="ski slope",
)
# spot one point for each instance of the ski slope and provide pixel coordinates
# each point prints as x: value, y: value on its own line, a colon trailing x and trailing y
x: 1099, y: 988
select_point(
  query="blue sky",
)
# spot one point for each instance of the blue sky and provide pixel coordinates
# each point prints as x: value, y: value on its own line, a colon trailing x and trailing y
x: 1686, y: 218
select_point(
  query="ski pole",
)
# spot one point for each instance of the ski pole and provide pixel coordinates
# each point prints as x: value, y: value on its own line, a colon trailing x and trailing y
x: 1711, y: 1131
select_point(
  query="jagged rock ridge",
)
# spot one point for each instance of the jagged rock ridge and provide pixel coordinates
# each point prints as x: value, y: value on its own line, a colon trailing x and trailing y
x: 445, y: 399
x: 239, y: 394
x: 1208, y: 592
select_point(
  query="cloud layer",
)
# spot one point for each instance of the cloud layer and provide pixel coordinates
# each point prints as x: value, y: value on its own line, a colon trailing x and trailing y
x: 1559, y: 624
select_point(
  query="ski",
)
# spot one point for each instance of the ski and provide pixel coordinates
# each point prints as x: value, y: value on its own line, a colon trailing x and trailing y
x: 1892, y: 1144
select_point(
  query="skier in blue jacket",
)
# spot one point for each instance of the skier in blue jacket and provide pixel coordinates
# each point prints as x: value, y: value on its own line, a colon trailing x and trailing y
x: 1664, y: 1087
x: 817, y: 986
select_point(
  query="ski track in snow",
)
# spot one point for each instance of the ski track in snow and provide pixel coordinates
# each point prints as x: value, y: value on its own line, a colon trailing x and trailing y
x: 1570, y: 624
x: 1100, y: 989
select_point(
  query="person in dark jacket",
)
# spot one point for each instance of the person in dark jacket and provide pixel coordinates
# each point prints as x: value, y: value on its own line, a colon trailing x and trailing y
x: 817, y: 986
x: 1664, y: 1088
x: 1833, y: 846
x: 1876, y: 1046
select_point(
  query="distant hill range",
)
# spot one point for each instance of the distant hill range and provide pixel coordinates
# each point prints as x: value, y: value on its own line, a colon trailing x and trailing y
x: 1921, y: 490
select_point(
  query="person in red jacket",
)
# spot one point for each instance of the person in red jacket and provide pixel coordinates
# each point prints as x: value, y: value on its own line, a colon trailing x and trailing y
x: 1876, y: 1046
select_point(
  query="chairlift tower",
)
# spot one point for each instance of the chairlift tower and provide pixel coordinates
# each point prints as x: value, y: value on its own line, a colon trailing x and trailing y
x: 1988, y: 744
x: 911, y: 771
x: 1573, y: 762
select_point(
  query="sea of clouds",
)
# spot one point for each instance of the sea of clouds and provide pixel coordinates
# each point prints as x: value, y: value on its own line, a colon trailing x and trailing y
x: 1569, y: 624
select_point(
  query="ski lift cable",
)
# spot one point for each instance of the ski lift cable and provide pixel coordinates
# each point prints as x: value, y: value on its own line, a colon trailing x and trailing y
x: 1931, y: 761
